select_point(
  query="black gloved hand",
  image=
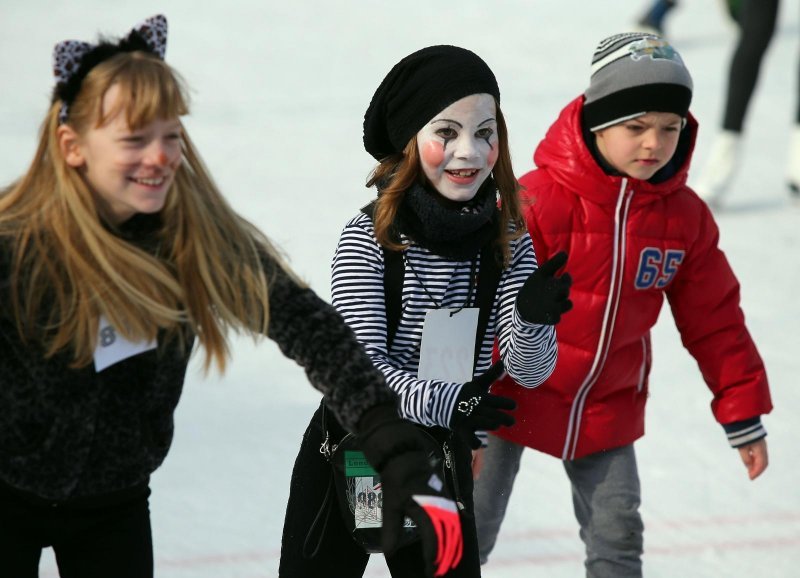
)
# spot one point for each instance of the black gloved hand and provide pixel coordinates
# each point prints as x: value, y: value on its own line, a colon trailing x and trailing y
x: 477, y: 409
x: 397, y: 450
x: 544, y: 298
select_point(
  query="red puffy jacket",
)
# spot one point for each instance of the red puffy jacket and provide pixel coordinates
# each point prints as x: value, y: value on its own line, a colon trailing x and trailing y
x: 630, y: 244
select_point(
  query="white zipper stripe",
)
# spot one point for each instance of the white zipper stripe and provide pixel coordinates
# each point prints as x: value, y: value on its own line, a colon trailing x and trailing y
x: 614, y: 299
x: 642, y: 371
x: 573, y: 428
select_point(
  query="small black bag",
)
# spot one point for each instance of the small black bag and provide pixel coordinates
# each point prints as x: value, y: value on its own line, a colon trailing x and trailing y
x: 359, y: 492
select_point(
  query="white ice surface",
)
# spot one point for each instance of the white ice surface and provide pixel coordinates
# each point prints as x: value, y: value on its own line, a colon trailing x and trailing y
x: 279, y: 92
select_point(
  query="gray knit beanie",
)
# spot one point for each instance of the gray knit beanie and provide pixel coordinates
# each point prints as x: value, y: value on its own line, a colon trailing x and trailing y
x: 633, y: 74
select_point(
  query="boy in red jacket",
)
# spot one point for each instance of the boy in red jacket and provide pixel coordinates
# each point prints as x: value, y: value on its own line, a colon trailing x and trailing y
x: 610, y: 190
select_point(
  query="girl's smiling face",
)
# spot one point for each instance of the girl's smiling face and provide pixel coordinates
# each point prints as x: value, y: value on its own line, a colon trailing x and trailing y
x: 128, y: 171
x: 641, y: 146
x: 459, y: 146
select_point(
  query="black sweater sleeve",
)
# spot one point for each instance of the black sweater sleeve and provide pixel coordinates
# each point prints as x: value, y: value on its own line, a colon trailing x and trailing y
x: 311, y: 332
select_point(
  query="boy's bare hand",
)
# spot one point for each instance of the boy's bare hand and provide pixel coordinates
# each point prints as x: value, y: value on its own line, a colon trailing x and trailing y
x: 755, y: 457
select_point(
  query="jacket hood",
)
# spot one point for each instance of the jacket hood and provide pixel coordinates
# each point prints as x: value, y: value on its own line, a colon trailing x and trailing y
x: 563, y: 153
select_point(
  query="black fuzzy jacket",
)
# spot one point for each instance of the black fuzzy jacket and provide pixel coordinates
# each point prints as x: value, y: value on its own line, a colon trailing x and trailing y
x: 75, y: 434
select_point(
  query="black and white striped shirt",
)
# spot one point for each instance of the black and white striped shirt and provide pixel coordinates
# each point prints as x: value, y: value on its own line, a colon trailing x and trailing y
x: 528, y: 350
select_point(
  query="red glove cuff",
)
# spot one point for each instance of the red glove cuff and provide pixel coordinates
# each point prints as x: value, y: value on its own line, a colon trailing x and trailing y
x: 444, y: 518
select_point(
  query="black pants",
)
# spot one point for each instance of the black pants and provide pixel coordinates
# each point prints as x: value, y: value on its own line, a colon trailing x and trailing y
x: 88, y: 541
x: 757, y: 25
x: 337, y: 555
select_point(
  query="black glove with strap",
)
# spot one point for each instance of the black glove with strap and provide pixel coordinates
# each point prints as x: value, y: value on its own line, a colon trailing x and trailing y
x: 544, y: 298
x: 477, y: 409
x: 397, y: 450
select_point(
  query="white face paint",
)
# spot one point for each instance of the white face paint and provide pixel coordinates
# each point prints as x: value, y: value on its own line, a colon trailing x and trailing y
x: 459, y: 146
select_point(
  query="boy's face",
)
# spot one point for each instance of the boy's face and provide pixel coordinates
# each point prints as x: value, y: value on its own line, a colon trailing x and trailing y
x: 641, y: 146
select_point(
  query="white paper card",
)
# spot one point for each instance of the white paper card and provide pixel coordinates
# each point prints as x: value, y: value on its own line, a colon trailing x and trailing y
x: 113, y: 347
x: 448, y: 344
x: 368, y: 503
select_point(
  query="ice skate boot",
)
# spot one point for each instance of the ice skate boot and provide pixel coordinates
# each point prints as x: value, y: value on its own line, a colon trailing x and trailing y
x: 718, y: 172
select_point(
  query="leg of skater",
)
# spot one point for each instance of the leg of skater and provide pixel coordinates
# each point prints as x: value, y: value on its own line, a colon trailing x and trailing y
x: 653, y: 19
x: 756, y: 29
x: 501, y: 460
x: 606, y: 496
x: 316, y: 541
x: 109, y: 541
x: 21, y: 536
x: 793, y: 168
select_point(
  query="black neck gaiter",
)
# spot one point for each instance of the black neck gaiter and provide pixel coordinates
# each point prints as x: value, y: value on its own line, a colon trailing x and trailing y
x: 456, y: 230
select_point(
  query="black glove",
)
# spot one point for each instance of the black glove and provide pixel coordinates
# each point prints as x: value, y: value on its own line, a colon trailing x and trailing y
x: 477, y: 409
x: 544, y: 298
x: 397, y: 451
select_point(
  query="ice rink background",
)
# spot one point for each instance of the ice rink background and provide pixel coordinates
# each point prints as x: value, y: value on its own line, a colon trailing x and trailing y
x: 279, y: 92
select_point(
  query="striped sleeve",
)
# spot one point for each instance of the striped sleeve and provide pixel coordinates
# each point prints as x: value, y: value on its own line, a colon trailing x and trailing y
x: 358, y: 295
x: 744, y: 432
x: 528, y: 350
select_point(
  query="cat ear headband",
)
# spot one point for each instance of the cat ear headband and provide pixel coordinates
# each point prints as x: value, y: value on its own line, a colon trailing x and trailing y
x: 73, y: 59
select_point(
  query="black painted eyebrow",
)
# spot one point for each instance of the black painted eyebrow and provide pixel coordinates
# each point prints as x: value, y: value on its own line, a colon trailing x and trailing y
x: 490, y: 119
x: 447, y: 120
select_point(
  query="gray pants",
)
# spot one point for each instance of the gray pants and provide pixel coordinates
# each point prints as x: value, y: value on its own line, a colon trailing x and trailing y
x: 605, y: 496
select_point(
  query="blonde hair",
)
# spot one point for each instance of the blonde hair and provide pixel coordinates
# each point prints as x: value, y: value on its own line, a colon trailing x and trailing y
x: 395, y: 174
x: 69, y: 268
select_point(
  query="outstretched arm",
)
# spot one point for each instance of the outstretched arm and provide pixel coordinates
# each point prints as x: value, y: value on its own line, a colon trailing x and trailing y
x: 310, y: 331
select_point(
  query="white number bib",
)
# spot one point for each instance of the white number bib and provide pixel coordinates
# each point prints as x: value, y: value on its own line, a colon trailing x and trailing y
x: 448, y: 344
x: 113, y: 347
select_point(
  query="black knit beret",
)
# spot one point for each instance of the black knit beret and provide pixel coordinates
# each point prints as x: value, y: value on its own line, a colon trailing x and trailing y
x: 418, y: 87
